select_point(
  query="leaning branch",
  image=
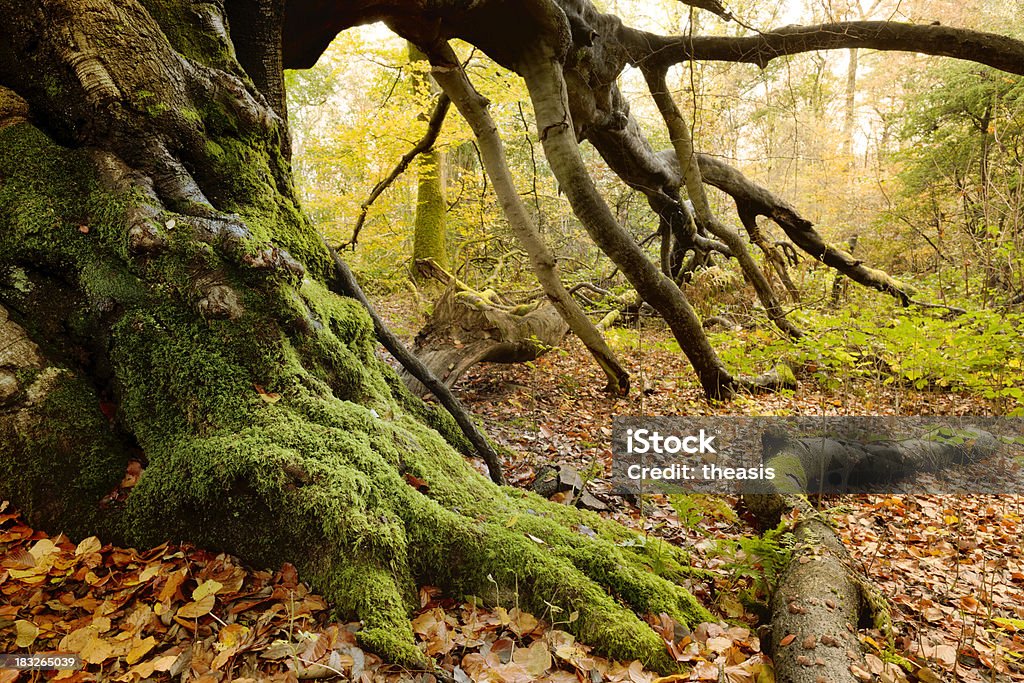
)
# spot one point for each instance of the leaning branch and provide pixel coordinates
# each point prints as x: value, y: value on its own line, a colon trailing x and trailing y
x: 346, y: 284
x: 754, y: 200
x: 682, y: 143
x: 424, y: 144
x: 473, y: 107
x: 1000, y: 52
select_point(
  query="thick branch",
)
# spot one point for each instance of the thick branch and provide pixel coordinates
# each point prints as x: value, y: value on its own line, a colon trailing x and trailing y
x: 1001, y: 52
x: 474, y: 108
x: 754, y: 200
x: 683, y: 145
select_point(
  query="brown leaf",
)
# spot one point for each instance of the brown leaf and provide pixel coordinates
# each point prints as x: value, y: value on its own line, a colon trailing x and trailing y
x: 197, y: 608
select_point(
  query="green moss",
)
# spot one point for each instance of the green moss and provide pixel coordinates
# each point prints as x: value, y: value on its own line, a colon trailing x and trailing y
x: 62, y: 462
x: 429, y: 235
x: 279, y: 435
x: 189, y: 35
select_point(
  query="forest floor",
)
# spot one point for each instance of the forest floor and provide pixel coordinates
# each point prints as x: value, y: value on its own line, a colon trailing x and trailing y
x: 952, y: 567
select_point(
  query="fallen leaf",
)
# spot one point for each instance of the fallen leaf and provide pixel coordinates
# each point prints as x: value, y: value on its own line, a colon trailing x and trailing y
x: 197, y: 608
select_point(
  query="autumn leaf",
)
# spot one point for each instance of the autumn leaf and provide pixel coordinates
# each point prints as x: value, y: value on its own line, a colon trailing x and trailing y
x: 26, y: 633
x: 197, y: 608
x: 207, y: 588
x: 140, y: 649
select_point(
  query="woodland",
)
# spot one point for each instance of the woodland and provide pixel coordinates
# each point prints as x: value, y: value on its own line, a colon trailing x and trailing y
x: 315, y: 317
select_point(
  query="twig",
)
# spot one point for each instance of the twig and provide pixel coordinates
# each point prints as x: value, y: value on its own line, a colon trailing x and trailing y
x: 345, y: 283
x: 424, y: 144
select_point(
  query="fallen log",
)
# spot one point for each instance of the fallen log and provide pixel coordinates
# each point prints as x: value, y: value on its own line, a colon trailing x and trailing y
x: 825, y: 464
x: 469, y: 327
x: 819, y: 602
x: 821, y: 597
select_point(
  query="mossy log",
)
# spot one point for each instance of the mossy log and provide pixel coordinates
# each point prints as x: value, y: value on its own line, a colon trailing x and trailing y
x: 167, y: 300
x: 468, y: 327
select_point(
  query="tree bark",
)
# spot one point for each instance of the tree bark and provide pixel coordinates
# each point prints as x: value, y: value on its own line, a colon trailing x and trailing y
x: 155, y: 268
x: 468, y: 327
x: 818, y: 603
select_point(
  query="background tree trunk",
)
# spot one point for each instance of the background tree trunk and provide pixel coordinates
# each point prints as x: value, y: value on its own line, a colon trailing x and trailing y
x: 430, y: 233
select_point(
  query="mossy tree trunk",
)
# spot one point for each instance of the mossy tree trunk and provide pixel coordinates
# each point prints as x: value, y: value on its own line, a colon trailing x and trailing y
x: 163, y: 298
x: 431, y: 228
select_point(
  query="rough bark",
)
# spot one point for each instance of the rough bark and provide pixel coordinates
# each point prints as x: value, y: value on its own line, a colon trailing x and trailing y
x: 818, y: 603
x: 152, y: 251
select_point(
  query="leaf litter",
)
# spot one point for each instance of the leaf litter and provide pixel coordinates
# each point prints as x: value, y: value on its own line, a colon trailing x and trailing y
x: 952, y: 568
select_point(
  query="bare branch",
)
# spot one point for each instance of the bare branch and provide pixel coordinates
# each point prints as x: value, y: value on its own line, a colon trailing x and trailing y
x: 424, y: 144
x: 1000, y: 52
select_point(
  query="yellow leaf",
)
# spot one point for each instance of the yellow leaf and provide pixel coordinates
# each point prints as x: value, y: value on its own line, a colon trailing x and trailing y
x: 231, y: 635
x: 164, y: 663
x: 37, y: 574
x: 149, y: 572
x: 96, y: 651
x: 42, y: 548
x: 198, y: 608
x: 206, y: 588
x: 76, y: 641
x: 536, y: 659
x: 140, y: 649
x: 26, y: 633
x: 88, y: 546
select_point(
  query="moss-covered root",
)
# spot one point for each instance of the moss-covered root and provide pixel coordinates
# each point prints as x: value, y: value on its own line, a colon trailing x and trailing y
x: 514, y: 564
x: 372, y: 593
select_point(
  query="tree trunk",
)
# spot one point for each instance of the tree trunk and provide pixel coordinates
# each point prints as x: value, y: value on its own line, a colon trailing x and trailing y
x: 163, y: 299
x: 430, y: 233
